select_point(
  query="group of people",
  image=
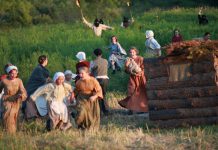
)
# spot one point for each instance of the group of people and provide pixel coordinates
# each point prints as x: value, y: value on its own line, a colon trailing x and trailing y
x: 59, y: 98
x: 84, y: 100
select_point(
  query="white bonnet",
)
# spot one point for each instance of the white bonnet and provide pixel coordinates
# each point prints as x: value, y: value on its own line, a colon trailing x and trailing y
x: 81, y: 56
x: 149, y: 34
x: 11, y: 68
x: 57, y: 75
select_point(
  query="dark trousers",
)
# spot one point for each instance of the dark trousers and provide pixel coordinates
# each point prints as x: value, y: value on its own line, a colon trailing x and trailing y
x: 103, y: 83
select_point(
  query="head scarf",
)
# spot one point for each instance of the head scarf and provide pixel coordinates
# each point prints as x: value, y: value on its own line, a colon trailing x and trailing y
x: 68, y: 72
x: 57, y: 75
x: 11, y: 68
x: 81, y: 56
x: 149, y: 34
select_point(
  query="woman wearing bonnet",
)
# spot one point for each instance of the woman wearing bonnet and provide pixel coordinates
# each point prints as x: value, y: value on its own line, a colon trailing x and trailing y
x: 14, y: 94
x: 57, y: 95
x: 153, y: 47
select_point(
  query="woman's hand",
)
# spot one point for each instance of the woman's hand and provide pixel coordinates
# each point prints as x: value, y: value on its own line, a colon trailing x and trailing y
x: 127, y: 62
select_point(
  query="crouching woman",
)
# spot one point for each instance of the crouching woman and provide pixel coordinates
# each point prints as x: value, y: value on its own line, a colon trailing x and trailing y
x: 87, y: 93
x: 57, y: 94
x: 14, y: 93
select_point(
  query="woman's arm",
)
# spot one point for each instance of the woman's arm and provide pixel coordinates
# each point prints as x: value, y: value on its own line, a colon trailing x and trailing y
x: 23, y: 93
x: 42, y: 90
x: 105, y: 27
x: 87, y: 23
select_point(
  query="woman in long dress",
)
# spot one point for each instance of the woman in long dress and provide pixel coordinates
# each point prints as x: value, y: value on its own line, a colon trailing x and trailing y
x: 39, y: 77
x: 117, y: 54
x: 57, y: 95
x: 87, y: 93
x: 14, y: 93
x: 136, y: 100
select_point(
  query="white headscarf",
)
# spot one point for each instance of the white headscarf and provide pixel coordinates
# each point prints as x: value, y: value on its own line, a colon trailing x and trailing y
x: 149, y: 34
x: 70, y: 72
x: 81, y: 56
x: 57, y: 75
x: 11, y: 68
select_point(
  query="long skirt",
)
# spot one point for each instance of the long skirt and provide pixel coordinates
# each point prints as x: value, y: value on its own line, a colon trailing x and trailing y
x: 137, y: 97
x: 88, y: 113
x: 58, y: 115
x: 31, y: 109
x: 10, y: 115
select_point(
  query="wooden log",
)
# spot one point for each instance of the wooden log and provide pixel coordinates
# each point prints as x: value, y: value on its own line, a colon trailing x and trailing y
x: 153, y: 62
x: 185, y: 122
x: 183, y: 113
x: 205, y: 79
x: 182, y: 93
x: 183, y: 103
x: 203, y: 67
x: 158, y: 81
x: 154, y: 71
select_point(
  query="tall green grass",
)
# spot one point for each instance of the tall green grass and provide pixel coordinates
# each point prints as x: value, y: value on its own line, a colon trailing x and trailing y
x: 61, y: 42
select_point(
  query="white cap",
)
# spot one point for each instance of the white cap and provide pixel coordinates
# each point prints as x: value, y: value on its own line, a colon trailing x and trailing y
x: 68, y: 72
x: 11, y: 68
x: 149, y: 34
x: 81, y: 56
x: 57, y: 75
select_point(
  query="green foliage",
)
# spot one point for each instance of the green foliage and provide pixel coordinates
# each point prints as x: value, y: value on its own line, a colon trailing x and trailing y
x: 27, y: 12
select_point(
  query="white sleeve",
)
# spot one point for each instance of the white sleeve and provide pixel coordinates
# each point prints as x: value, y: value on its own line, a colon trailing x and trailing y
x: 156, y: 44
x: 42, y: 90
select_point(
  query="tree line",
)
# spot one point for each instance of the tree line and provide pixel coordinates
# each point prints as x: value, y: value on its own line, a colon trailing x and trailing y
x: 33, y: 12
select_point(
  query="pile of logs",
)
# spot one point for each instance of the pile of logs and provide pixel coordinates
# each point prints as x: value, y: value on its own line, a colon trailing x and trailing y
x: 193, y: 101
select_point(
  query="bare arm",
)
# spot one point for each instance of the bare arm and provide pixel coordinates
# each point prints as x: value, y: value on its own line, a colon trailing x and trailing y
x: 105, y: 27
x: 87, y: 23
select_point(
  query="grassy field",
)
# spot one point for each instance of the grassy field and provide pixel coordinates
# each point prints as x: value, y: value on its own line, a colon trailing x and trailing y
x: 61, y: 42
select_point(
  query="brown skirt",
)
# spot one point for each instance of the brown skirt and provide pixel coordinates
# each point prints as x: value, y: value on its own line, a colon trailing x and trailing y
x: 10, y: 115
x: 88, y: 113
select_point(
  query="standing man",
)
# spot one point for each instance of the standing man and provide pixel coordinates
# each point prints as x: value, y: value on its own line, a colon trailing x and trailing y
x: 99, y: 69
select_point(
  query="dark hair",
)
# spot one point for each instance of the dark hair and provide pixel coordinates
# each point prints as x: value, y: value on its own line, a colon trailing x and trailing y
x: 96, y: 22
x: 114, y: 37
x: 98, y: 52
x: 125, y: 19
x: 101, y: 21
x: 206, y: 33
x: 6, y: 66
x: 42, y: 59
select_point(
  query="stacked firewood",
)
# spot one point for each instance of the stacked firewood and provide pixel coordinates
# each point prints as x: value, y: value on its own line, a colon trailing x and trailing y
x: 192, y: 101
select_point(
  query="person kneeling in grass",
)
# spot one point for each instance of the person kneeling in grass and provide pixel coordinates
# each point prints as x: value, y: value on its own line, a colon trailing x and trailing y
x: 57, y: 94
